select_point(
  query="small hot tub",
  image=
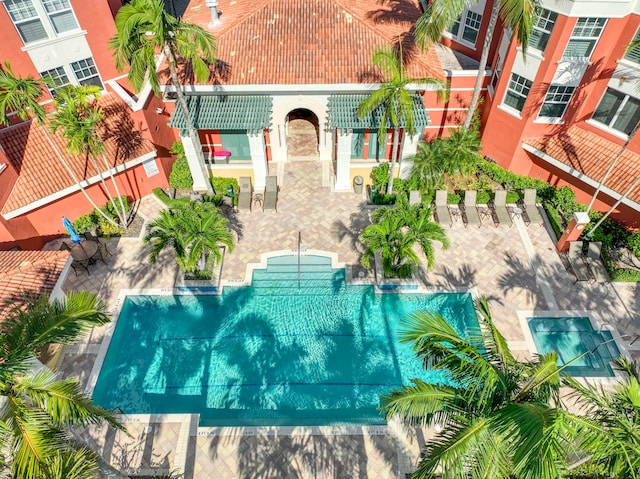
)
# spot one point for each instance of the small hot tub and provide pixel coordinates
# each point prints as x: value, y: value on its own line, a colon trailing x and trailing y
x: 571, y: 336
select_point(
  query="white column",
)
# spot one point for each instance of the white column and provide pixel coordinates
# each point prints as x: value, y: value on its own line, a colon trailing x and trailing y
x: 343, y: 161
x: 258, y: 160
x: 198, y: 169
x: 409, y: 148
x: 322, y: 137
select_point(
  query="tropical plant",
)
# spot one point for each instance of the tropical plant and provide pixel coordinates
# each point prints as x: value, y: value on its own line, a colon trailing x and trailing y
x: 610, y: 430
x: 394, y: 233
x: 180, y: 176
x: 20, y: 95
x: 144, y: 27
x: 394, y: 101
x: 194, y: 231
x: 427, y: 171
x: 460, y: 151
x: 39, y: 411
x: 77, y: 117
x: 516, y: 15
x: 498, y: 417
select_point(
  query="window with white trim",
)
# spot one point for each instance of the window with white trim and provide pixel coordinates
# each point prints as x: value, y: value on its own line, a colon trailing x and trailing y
x: 86, y: 72
x: 37, y: 20
x: 542, y: 28
x: 517, y: 92
x: 55, y: 78
x: 467, y: 30
x: 584, y: 37
x: 556, y: 101
x: 618, y: 111
x: 633, y: 54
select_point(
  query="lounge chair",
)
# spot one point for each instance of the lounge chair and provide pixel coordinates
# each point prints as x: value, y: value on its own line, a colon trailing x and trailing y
x: 594, y: 260
x: 414, y: 197
x: 442, y: 208
x: 470, y: 209
x: 103, y: 252
x: 500, y: 208
x: 270, y: 193
x: 530, y: 207
x: 245, y: 193
x: 576, y: 260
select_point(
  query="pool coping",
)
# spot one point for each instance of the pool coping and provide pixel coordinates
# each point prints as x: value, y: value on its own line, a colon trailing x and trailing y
x: 596, y: 324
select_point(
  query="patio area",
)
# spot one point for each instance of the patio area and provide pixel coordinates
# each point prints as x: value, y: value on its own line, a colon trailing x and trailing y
x: 517, y: 268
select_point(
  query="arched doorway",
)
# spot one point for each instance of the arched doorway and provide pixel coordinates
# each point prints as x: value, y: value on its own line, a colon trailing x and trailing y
x: 302, y: 135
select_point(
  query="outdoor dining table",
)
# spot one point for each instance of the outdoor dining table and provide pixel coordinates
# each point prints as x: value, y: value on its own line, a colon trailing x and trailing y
x: 85, y: 250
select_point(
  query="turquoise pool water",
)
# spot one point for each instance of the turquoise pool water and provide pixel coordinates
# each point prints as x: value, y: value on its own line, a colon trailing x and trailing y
x: 271, y: 353
x: 572, y: 336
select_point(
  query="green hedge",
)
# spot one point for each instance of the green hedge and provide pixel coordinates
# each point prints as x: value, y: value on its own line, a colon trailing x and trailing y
x: 95, y: 221
x: 519, y: 182
x: 554, y: 219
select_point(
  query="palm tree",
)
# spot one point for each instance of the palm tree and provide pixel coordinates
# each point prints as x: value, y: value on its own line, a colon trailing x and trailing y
x: 427, y: 171
x: 20, y: 95
x: 394, y: 233
x: 610, y: 429
x: 460, y: 151
x: 517, y: 15
x: 194, y: 231
x: 39, y: 410
x: 394, y: 100
x: 78, y: 117
x: 498, y: 417
x: 144, y: 27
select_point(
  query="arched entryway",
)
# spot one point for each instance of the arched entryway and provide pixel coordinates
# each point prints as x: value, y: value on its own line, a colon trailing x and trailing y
x: 302, y: 135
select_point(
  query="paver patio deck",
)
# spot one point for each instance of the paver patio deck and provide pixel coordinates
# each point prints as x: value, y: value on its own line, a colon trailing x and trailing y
x: 517, y: 268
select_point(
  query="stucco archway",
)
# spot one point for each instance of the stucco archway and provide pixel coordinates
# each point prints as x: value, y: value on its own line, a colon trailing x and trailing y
x: 302, y: 135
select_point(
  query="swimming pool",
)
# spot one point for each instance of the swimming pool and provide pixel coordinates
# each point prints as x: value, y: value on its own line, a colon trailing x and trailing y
x: 572, y: 336
x: 270, y: 353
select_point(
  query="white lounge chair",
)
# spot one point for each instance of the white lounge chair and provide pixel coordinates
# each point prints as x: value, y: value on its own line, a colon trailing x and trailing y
x: 442, y: 208
x: 530, y: 207
x: 470, y: 209
x: 596, y: 265
x: 500, y: 208
x: 576, y: 260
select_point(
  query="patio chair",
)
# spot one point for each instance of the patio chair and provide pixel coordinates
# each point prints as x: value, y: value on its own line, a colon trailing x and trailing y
x: 500, y: 208
x: 530, y: 207
x: 103, y: 251
x: 576, y: 260
x: 414, y: 197
x: 75, y: 264
x: 442, y: 208
x: 270, y: 193
x: 245, y: 194
x: 594, y: 260
x: 470, y: 209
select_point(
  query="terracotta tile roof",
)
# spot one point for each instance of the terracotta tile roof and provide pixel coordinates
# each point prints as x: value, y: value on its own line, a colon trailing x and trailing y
x: 590, y: 154
x: 308, y: 41
x: 25, y: 274
x: 41, y: 173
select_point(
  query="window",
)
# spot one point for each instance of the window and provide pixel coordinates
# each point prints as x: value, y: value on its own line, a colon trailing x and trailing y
x: 517, y: 92
x: 41, y: 19
x: 556, y: 101
x: 468, y: 30
x: 55, y: 78
x: 633, y: 54
x: 618, y: 111
x: 542, y: 27
x: 584, y: 37
x: 25, y: 18
x: 60, y: 14
x: 86, y: 72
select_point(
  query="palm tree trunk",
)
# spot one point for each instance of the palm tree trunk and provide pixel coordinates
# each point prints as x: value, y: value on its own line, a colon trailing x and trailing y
x: 193, y: 134
x: 123, y: 218
x: 73, y: 175
x: 394, y: 152
x: 615, y: 205
x: 483, y: 63
x: 613, y: 163
x: 104, y: 185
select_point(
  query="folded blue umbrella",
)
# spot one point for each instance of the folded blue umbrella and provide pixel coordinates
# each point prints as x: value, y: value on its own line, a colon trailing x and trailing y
x: 75, y: 237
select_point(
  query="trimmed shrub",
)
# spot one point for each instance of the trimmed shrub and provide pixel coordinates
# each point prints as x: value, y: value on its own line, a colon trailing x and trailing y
x: 504, y: 176
x: 87, y: 222
x: 380, y: 176
x: 633, y: 243
x: 610, y: 232
x: 454, y: 198
x: 170, y: 202
x: 220, y: 185
x: 483, y: 197
x: 554, y: 219
x: 180, y: 176
x: 512, y: 196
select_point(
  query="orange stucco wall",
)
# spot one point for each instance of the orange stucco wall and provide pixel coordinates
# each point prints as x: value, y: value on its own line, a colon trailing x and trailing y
x: 45, y: 222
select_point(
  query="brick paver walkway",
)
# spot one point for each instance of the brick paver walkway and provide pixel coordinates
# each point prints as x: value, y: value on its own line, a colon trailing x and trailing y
x: 516, y: 268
